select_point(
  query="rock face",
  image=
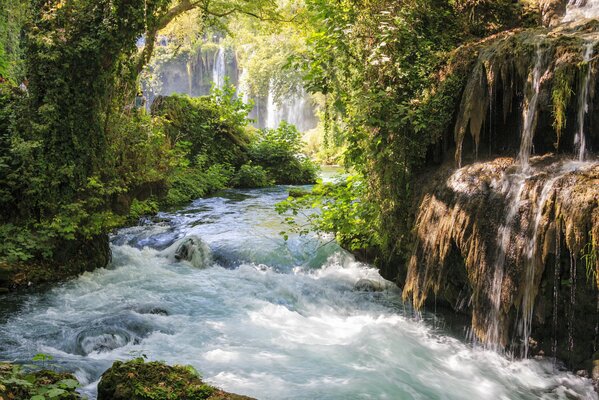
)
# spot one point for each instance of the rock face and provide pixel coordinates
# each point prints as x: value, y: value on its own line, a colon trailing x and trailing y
x: 552, y: 11
x: 139, y: 380
x: 506, y: 247
x: 513, y: 240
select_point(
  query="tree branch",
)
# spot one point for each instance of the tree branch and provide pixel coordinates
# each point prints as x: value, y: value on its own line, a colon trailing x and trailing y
x: 182, y: 7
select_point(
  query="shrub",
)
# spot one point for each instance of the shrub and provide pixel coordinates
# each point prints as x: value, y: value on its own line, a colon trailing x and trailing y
x: 252, y: 176
x: 278, y: 151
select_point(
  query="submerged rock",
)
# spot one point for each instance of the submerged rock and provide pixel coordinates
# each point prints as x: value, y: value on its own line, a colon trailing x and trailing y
x: 194, y: 250
x: 369, y: 285
x: 139, y: 380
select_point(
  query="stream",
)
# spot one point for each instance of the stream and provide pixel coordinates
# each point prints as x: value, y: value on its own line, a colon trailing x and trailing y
x: 266, y: 317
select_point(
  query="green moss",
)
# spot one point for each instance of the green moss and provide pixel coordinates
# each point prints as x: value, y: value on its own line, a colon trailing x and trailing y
x: 140, y: 380
x: 560, y: 97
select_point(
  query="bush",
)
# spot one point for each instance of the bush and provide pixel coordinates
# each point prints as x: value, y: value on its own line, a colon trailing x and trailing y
x: 213, y: 125
x: 18, y: 383
x: 338, y: 208
x: 278, y: 151
x: 192, y: 181
x: 252, y: 176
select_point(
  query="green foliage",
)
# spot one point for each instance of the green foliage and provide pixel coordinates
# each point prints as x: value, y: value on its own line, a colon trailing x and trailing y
x: 252, y: 176
x: 278, y: 151
x: 142, y: 208
x: 560, y: 96
x: 19, y: 382
x: 213, y: 125
x: 191, y: 181
x: 376, y: 62
x: 339, y: 208
x: 13, y: 16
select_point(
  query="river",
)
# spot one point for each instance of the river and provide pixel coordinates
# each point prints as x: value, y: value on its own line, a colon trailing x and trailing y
x: 265, y: 318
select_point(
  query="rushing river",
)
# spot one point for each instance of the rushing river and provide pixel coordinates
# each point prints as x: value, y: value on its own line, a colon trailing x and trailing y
x: 266, y: 318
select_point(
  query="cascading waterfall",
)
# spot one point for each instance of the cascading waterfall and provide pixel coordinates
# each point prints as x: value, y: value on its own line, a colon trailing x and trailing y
x: 219, y: 70
x: 513, y: 191
x: 513, y: 186
x: 581, y: 9
x: 296, y: 110
x: 583, y: 102
x: 272, y: 110
x: 243, y: 88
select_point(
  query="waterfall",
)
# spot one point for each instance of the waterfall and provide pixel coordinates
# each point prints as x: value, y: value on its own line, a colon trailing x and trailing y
x: 272, y: 110
x: 583, y: 103
x: 243, y: 88
x: 219, y: 70
x: 529, y: 111
x: 534, y: 250
x: 581, y: 9
x: 513, y: 191
x: 296, y: 110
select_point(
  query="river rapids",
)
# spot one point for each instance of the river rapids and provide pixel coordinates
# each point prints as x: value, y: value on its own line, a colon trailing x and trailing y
x: 264, y: 317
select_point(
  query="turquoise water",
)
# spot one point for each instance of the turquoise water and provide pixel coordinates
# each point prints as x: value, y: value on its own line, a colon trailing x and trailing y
x: 263, y: 317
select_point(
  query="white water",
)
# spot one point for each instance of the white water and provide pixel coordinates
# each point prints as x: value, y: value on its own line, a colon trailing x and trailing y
x: 270, y: 319
x: 581, y: 9
x: 219, y: 69
x: 583, y: 103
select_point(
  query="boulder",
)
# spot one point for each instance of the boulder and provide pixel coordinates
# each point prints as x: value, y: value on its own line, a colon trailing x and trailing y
x: 369, y: 285
x: 140, y: 380
x: 194, y: 250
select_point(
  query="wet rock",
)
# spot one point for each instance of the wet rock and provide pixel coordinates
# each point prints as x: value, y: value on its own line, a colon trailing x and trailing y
x: 152, y: 310
x: 552, y: 11
x: 369, y: 285
x: 459, y: 224
x: 194, y: 250
x: 140, y: 380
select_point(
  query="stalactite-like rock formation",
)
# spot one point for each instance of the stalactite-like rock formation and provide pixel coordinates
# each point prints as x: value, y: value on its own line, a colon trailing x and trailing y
x: 557, y: 209
x: 514, y: 240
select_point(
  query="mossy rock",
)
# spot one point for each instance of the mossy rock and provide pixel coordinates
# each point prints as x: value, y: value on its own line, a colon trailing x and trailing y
x: 140, y: 380
x: 17, y: 383
x: 297, y: 192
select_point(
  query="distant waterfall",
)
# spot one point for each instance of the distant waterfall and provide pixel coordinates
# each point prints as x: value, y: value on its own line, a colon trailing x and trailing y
x: 295, y: 109
x: 219, y: 70
x: 243, y: 88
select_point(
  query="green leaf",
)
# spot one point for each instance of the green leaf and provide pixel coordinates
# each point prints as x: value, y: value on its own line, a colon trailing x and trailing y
x: 55, y: 392
x: 68, y: 383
